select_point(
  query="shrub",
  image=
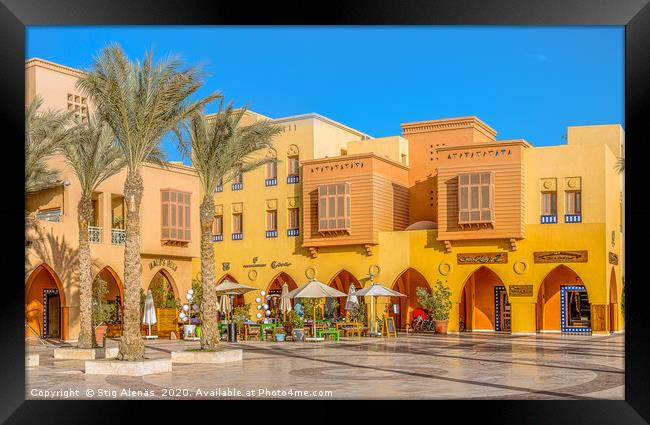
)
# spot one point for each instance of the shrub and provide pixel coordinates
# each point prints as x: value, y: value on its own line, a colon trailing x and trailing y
x: 437, y: 301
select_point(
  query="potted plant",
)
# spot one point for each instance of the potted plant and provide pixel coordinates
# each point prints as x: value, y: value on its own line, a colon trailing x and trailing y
x: 438, y: 302
x: 102, y: 311
x: 278, y: 334
x: 118, y: 222
x: 298, y: 326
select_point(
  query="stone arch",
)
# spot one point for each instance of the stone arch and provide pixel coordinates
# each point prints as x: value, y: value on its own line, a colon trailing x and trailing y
x: 275, y: 287
x: 239, y: 299
x: 549, y: 297
x: 107, y: 271
x: 484, y: 304
x: 342, y: 281
x: 407, y: 283
x: 43, y: 278
x: 170, y: 280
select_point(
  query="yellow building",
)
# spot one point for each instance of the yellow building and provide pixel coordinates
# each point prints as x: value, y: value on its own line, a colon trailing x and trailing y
x: 529, y: 239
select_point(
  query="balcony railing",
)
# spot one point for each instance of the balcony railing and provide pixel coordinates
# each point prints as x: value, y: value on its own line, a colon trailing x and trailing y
x: 271, y: 233
x: 573, y: 218
x: 293, y: 179
x: 271, y: 182
x: 217, y: 238
x: 548, y: 219
x: 118, y: 236
x: 94, y: 234
x: 293, y: 232
x: 237, y: 186
x: 237, y: 236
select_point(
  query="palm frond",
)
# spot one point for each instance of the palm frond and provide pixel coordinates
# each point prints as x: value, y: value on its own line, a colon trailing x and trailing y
x: 93, y: 155
x: 620, y: 165
x: 219, y: 147
x: 143, y: 100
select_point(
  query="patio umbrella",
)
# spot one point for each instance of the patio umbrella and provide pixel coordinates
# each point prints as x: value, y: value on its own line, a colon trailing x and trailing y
x: 232, y: 288
x: 285, y: 303
x: 224, y: 305
x: 352, y: 300
x: 149, y: 317
x: 314, y: 289
x: 377, y: 290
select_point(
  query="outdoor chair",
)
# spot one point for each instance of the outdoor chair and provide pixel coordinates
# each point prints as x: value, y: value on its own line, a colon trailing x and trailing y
x: 251, y: 332
x: 288, y: 331
x: 268, y: 334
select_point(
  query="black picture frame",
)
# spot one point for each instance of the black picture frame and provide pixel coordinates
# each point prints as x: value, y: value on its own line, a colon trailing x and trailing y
x: 15, y: 15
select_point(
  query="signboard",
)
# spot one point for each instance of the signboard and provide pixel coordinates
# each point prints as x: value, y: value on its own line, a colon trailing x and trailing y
x: 613, y: 259
x: 389, y: 327
x: 483, y: 258
x: 162, y: 262
x: 560, y: 257
x: 521, y: 290
x: 167, y: 321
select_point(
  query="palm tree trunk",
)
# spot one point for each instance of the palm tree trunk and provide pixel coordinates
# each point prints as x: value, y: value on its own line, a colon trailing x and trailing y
x: 86, y: 334
x: 131, y: 344
x: 209, y: 323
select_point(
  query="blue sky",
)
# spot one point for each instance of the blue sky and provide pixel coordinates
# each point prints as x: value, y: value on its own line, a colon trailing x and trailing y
x: 525, y: 82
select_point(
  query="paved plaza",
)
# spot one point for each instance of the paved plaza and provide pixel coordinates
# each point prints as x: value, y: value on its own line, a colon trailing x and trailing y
x: 414, y: 366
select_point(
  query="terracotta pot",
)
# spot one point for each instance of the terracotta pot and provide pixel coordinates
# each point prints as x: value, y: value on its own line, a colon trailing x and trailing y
x: 100, y: 331
x: 440, y: 326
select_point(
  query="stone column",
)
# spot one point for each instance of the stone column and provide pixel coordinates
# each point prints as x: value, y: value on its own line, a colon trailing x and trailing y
x: 452, y: 327
x: 522, y: 318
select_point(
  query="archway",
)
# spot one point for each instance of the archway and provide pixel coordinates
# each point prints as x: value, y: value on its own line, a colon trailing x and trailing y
x: 613, y: 302
x: 407, y: 283
x: 341, y: 281
x: 274, y: 289
x: 115, y: 290
x: 163, y: 289
x: 239, y: 299
x: 45, y: 305
x: 484, y: 304
x: 563, y: 303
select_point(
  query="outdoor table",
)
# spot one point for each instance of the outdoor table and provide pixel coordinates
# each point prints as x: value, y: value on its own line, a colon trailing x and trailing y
x: 263, y: 327
x: 333, y: 332
x: 357, y: 330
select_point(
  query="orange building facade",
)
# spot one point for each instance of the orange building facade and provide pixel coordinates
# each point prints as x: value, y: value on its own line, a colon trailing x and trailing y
x: 528, y: 239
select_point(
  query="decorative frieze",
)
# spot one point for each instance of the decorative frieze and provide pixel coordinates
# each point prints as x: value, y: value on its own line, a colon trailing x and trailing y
x: 560, y: 257
x: 483, y: 258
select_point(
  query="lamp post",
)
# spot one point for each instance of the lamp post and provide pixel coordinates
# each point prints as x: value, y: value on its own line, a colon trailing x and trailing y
x: 233, y: 337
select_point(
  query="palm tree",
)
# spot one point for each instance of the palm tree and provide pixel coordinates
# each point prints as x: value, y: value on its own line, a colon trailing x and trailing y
x: 93, y: 156
x: 220, y: 148
x: 45, y: 134
x: 141, y: 101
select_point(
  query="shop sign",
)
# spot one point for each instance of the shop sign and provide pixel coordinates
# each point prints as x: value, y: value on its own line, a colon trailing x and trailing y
x: 521, y: 290
x: 162, y: 262
x: 483, y: 258
x: 255, y: 263
x: 560, y: 257
x: 276, y: 264
x: 613, y: 259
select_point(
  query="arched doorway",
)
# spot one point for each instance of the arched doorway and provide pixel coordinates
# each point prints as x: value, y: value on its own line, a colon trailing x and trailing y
x: 114, y: 291
x: 45, y: 305
x: 274, y: 290
x: 484, y: 304
x: 163, y: 289
x: 563, y: 303
x: 407, y: 283
x: 341, y: 281
x: 239, y: 299
x: 613, y: 302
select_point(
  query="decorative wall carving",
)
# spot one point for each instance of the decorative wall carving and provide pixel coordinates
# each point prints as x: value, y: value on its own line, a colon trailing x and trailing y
x: 520, y: 291
x: 271, y: 204
x: 483, y: 258
x: 560, y: 257
x: 293, y: 150
x: 613, y: 259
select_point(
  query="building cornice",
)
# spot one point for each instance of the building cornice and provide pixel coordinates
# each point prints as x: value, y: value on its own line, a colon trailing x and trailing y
x: 316, y: 116
x: 53, y: 66
x: 362, y: 155
x: 448, y: 124
x: 495, y: 144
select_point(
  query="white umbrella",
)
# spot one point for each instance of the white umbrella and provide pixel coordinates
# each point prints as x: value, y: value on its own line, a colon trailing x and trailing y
x: 149, y: 317
x: 314, y: 289
x: 377, y: 290
x: 224, y: 305
x: 231, y: 289
x: 285, y: 303
x: 352, y: 300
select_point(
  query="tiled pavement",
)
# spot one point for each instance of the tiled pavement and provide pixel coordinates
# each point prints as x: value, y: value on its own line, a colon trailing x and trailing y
x: 422, y: 366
